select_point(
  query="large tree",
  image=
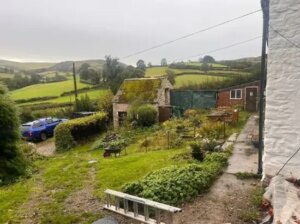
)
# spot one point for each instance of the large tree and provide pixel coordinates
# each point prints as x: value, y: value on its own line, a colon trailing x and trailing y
x: 208, y: 59
x: 114, y: 73
x: 12, y: 161
x: 141, y: 64
x: 163, y: 62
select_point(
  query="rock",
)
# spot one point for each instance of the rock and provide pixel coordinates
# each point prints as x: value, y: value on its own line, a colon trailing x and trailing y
x: 106, y: 220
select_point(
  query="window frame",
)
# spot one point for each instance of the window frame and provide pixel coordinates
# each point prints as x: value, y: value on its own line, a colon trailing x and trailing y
x: 235, y: 94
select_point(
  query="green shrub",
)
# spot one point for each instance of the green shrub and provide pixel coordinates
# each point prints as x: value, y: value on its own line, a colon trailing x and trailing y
x: 68, y: 133
x: 12, y: 161
x: 26, y: 115
x: 146, y: 115
x: 212, y: 130
x: 175, y: 185
x: 196, y: 151
x: 84, y: 104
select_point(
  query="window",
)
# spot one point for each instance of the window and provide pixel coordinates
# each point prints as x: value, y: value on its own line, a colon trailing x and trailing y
x: 236, y: 94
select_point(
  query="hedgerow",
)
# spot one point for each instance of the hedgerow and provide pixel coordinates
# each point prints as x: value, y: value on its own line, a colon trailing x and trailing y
x: 175, y: 185
x: 12, y: 161
x: 68, y: 133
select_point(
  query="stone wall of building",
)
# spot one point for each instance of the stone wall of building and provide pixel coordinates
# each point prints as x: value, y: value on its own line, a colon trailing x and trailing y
x: 282, y: 114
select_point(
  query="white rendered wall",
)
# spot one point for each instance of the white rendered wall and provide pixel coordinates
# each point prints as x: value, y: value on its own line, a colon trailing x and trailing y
x: 282, y: 117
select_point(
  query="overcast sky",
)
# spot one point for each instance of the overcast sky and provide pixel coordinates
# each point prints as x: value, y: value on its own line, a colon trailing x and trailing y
x: 58, y: 30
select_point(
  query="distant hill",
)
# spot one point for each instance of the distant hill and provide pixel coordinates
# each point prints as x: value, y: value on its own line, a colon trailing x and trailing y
x: 65, y: 66
x: 19, y: 66
x: 249, y: 59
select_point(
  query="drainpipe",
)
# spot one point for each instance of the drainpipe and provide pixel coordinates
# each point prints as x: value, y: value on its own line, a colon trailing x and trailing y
x: 265, y: 9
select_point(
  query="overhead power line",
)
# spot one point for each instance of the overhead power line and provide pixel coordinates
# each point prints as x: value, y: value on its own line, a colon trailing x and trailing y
x: 191, y: 34
x: 219, y: 49
x: 284, y: 37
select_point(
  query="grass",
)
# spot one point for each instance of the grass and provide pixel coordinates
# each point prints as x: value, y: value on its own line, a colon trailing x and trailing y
x: 185, y: 80
x: 47, y: 89
x: 200, y: 63
x: 51, y: 74
x: 252, y: 213
x: 69, y: 172
x: 6, y: 75
x: 93, y: 94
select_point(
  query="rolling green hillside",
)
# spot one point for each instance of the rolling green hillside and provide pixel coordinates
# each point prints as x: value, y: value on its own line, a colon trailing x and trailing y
x: 38, y: 67
x: 47, y: 89
x: 6, y: 75
x: 184, y: 80
x: 25, y: 65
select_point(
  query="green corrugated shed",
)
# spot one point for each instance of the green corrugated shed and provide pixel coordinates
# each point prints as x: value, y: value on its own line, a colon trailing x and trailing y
x: 193, y: 99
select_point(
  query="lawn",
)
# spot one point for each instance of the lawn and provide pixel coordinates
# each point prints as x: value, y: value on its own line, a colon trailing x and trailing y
x: 47, y: 89
x: 67, y: 173
x: 185, y: 80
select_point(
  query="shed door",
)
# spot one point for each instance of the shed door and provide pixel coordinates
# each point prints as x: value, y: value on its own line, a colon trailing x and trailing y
x: 251, y: 99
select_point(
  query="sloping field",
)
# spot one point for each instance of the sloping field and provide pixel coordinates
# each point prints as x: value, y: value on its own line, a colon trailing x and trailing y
x: 158, y: 71
x: 184, y: 80
x: 6, y: 75
x: 93, y: 94
x: 47, y: 89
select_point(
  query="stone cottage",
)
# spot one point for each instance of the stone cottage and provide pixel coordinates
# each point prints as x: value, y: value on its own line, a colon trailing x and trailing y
x: 282, y: 112
x: 155, y: 91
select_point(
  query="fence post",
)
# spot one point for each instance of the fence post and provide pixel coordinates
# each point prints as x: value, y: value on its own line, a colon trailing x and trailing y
x: 168, y: 139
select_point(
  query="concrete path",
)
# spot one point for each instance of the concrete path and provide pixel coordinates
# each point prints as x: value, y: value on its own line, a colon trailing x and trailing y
x: 229, y: 196
x: 245, y: 155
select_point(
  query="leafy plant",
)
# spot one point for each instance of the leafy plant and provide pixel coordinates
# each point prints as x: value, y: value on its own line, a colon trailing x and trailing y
x: 175, y: 185
x: 212, y: 130
x: 196, y: 151
x: 12, y: 161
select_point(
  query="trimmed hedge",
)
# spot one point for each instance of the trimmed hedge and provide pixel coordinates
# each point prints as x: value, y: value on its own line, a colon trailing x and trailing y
x: 36, y: 99
x: 68, y: 133
x: 175, y: 185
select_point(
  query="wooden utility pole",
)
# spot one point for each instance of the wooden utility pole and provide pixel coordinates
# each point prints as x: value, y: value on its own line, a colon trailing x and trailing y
x: 75, y: 85
x: 265, y: 8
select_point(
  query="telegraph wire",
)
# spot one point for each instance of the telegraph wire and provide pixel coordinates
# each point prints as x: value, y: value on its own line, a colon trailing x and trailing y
x: 219, y: 49
x: 284, y: 37
x: 191, y: 34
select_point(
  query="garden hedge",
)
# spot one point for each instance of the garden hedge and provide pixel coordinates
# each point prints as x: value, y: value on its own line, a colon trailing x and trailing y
x: 68, y: 133
x: 175, y: 185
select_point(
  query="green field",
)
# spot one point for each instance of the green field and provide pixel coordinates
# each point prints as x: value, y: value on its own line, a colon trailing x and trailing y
x: 51, y: 74
x: 158, y: 71
x: 47, y: 89
x: 93, y: 94
x: 6, y: 75
x: 199, y: 64
x: 183, y: 80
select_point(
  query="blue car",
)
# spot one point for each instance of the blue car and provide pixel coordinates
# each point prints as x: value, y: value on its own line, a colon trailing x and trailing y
x: 40, y: 129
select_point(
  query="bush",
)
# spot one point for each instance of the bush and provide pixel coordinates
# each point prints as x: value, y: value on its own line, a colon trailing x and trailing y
x: 212, y: 130
x: 175, y: 185
x: 196, y: 151
x: 12, y: 161
x: 68, y: 133
x: 26, y: 115
x: 146, y: 115
x: 84, y: 104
